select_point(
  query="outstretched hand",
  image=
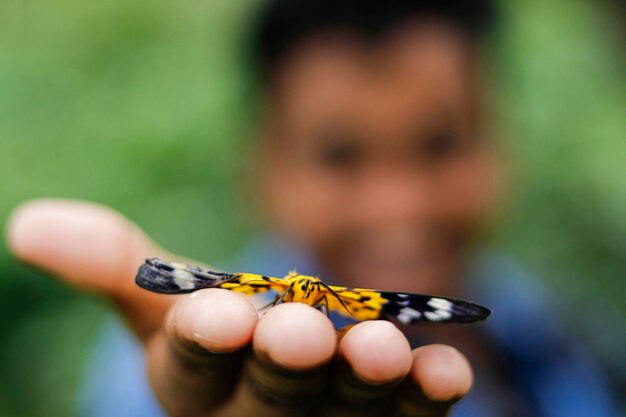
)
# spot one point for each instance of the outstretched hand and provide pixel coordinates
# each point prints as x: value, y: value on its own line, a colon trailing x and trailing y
x: 209, y: 354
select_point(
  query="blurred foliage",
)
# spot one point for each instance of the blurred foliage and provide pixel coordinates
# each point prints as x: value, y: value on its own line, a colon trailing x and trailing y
x: 563, y: 99
x: 143, y: 106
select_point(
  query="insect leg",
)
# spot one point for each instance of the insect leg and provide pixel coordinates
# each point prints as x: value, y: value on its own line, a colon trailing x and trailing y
x: 284, y: 295
x: 269, y: 305
x: 322, y: 306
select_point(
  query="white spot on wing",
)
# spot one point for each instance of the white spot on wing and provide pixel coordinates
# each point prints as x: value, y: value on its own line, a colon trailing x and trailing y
x: 437, y: 315
x: 407, y: 315
x: 440, y: 304
x: 183, y: 279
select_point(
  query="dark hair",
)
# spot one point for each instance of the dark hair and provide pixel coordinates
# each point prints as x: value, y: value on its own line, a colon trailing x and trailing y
x: 281, y: 24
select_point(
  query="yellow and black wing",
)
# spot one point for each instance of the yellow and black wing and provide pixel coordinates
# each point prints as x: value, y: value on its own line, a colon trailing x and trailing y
x: 165, y: 277
x: 407, y: 308
x: 354, y: 303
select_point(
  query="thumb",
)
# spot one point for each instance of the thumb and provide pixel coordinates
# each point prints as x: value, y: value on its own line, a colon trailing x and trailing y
x: 92, y: 247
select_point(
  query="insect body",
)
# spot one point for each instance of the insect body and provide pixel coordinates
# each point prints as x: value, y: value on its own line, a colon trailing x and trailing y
x: 354, y: 303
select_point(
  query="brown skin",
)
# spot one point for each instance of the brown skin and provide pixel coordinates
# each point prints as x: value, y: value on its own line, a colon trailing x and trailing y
x: 401, y: 209
x: 375, y: 156
x: 197, y: 345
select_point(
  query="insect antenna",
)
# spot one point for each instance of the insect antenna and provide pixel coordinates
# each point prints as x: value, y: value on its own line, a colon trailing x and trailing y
x: 336, y: 296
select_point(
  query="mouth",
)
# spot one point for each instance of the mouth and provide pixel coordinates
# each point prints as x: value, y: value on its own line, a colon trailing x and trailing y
x: 398, y: 256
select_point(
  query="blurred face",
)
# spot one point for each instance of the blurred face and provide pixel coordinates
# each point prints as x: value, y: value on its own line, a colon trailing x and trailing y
x: 374, y: 156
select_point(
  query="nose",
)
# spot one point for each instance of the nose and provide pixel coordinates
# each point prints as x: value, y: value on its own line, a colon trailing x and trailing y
x: 393, y: 194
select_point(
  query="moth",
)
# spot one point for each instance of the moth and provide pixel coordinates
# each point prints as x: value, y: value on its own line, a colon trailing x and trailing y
x: 355, y: 304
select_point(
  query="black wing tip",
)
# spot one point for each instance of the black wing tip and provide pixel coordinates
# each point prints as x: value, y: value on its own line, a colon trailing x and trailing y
x: 154, y: 275
x: 470, y: 312
x: 165, y: 277
x: 482, y: 313
x: 434, y: 309
x: 146, y: 276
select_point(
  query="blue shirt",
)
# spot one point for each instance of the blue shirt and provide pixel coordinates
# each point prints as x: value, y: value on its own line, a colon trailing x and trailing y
x: 543, y: 371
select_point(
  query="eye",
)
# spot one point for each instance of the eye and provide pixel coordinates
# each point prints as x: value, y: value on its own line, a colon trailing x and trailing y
x: 339, y: 153
x: 440, y: 144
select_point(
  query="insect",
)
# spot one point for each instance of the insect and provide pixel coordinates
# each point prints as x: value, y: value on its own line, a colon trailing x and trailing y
x: 357, y: 304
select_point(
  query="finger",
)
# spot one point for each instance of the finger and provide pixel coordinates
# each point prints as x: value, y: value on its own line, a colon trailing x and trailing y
x: 374, y: 357
x: 285, y: 374
x: 93, y: 247
x: 440, y: 375
x: 194, y: 363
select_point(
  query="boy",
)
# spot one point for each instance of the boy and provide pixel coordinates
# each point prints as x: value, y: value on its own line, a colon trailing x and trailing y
x: 376, y: 170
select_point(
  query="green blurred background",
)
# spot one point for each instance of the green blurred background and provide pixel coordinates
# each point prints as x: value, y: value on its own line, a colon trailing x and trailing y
x: 144, y: 106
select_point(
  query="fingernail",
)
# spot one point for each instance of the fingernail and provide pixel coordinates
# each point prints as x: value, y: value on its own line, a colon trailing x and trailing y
x: 218, y: 320
x: 295, y: 336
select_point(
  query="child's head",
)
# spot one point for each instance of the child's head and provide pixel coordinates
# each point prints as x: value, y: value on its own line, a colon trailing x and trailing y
x: 373, y: 138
